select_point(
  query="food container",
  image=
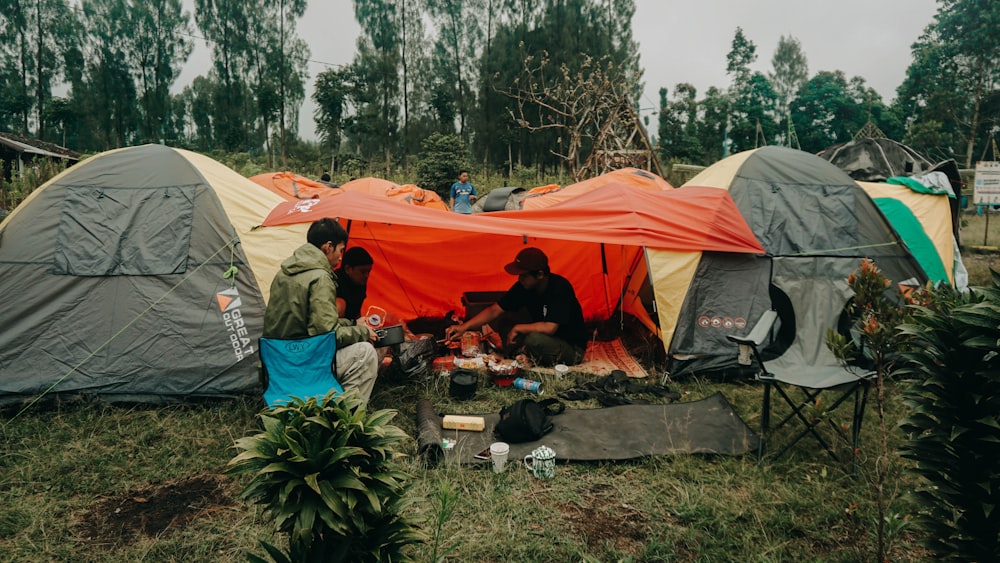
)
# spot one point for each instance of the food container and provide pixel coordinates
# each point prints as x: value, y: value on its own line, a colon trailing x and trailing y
x: 503, y: 372
x: 469, y: 363
x: 471, y: 344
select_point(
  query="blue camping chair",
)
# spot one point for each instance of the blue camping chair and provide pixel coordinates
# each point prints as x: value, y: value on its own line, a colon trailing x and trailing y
x: 298, y: 367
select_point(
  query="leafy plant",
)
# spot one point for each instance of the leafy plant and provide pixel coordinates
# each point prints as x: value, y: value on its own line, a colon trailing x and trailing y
x: 441, y: 159
x: 953, y: 429
x: 324, y: 472
x: 875, y: 344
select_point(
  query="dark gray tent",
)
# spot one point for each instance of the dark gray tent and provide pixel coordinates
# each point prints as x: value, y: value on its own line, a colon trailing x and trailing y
x: 816, y: 225
x: 113, y: 279
x: 876, y: 160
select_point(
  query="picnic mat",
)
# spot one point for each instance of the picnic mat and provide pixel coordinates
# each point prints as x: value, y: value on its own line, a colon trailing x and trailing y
x: 707, y: 426
x: 603, y: 357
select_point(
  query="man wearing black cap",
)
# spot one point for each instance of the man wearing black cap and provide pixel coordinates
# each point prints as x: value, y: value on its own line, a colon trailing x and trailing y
x: 556, y: 334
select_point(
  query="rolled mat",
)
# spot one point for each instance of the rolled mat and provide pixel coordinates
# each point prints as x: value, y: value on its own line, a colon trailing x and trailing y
x: 428, y: 434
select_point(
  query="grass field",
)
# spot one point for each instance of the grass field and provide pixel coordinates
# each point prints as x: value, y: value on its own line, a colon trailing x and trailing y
x: 90, y: 482
x: 85, y: 481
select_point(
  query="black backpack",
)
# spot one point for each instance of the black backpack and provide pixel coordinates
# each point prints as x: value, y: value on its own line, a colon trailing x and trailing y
x: 527, y: 420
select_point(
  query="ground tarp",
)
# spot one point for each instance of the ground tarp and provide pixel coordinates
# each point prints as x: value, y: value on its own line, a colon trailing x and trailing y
x: 707, y: 426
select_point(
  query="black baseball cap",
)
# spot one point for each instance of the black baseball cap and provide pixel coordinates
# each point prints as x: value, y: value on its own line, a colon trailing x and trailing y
x: 528, y: 260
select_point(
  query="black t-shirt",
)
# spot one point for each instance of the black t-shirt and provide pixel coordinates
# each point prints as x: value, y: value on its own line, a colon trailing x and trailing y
x: 557, y: 304
x: 352, y: 294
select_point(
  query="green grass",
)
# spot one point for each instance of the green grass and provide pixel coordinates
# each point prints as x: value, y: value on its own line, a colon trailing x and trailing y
x: 62, y: 463
x: 980, y: 230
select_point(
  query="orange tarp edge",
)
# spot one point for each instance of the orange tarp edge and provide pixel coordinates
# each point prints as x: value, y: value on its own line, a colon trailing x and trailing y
x: 426, y: 259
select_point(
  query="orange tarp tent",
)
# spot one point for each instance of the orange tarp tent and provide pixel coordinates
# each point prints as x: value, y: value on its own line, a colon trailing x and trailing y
x: 426, y: 259
x: 546, y: 196
x: 294, y: 187
x: 408, y: 193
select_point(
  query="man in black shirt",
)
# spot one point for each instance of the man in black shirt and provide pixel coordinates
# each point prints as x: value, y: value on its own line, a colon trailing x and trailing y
x: 556, y: 334
x: 352, y: 281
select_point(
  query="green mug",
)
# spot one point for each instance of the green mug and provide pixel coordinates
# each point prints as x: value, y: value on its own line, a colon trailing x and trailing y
x: 541, y: 462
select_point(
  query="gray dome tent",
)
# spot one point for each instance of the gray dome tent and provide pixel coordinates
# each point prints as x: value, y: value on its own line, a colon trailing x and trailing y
x: 116, y: 280
x: 876, y: 160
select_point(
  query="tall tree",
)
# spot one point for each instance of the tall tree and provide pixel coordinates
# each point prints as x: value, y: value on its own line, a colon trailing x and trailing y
x: 458, y: 46
x: 40, y: 32
x: 15, y: 66
x: 331, y: 95
x: 752, y: 113
x: 277, y: 59
x: 826, y: 111
x: 678, y: 125
x: 789, y: 73
x: 225, y: 24
x: 158, y: 45
x: 108, y: 93
x: 377, y: 65
x: 955, y: 74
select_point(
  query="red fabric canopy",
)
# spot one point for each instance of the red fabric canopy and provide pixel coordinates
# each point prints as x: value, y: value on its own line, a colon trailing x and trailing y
x: 425, y: 259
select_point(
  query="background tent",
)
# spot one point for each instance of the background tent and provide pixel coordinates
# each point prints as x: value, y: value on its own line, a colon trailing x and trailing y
x: 602, y: 241
x: 406, y: 193
x: 553, y: 194
x: 816, y: 224
x: 292, y: 186
x: 875, y: 160
x: 634, y: 177
x: 879, y: 159
x: 112, y: 277
x: 923, y: 220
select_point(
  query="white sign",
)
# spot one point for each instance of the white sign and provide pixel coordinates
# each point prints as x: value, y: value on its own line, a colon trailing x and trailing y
x: 986, y: 189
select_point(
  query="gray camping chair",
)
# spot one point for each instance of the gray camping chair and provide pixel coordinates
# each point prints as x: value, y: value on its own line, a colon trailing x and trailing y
x: 807, y: 369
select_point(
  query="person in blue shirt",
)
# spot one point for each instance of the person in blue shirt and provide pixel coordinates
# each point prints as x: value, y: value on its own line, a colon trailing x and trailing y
x: 463, y: 194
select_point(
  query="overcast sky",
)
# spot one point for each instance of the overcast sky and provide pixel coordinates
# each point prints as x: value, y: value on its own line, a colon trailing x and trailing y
x: 687, y: 40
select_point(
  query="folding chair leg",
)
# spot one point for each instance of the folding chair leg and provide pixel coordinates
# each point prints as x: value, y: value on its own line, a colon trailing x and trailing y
x: 765, y: 420
x: 860, y: 402
x: 809, y: 424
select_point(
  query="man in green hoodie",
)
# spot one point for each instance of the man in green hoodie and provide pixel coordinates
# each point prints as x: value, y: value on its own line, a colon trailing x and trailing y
x: 303, y: 303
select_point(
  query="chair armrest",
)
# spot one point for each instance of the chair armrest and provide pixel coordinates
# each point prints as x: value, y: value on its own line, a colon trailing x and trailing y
x: 760, y: 330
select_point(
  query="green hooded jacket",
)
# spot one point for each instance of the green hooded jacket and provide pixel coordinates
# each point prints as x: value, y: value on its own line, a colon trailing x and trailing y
x: 303, y: 300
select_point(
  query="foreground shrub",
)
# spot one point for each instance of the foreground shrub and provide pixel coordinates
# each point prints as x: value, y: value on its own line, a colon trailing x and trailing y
x: 954, y: 426
x: 323, y: 470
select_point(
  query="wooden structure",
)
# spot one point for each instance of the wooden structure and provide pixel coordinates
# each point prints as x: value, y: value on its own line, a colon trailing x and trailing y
x: 621, y: 142
x: 17, y: 153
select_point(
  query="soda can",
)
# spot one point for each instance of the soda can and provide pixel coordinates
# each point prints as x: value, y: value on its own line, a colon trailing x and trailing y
x: 528, y: 385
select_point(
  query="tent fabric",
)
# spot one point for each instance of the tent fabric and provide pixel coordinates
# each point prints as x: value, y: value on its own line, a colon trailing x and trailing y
x: 407, y: 193
x: 932, y: 210
x: 804, y: 210
x: 426, y: 259
x: 875, y: 160
x: 137, y: 325
x: 920, y: 245
x: 633, y: 177
x: 293, y: 187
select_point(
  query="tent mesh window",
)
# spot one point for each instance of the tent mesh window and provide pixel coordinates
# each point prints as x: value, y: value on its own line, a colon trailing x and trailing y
x: 106, y: 231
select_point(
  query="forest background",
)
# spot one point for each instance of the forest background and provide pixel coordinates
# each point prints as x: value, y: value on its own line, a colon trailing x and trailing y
x: 515, y: 85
